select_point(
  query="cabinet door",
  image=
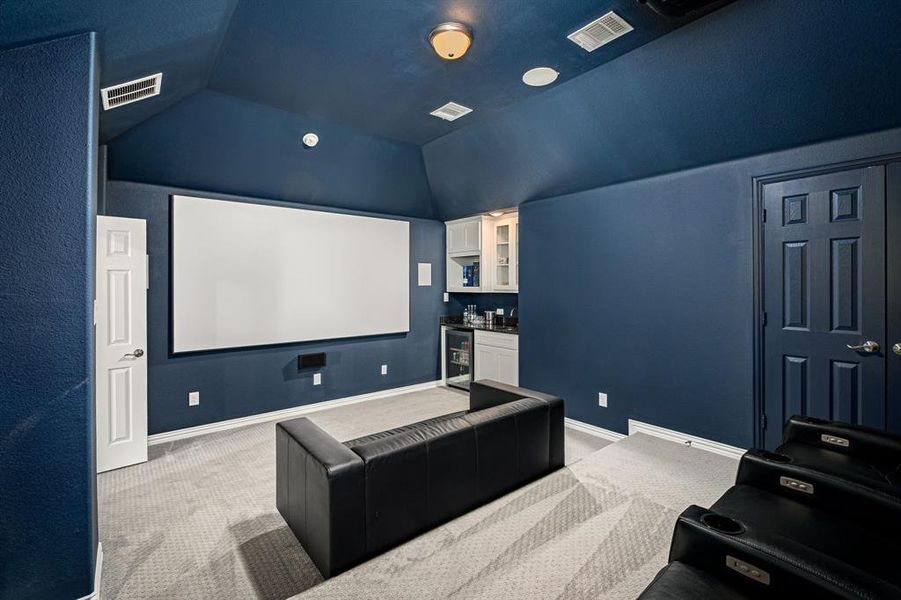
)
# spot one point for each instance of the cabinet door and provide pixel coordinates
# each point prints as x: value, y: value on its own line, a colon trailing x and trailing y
x: 465, y: 236
x: 472, y: 236
x: 486, y: 363
x: 502, y: 255
x: 507, y: 366
x: 455, y: 237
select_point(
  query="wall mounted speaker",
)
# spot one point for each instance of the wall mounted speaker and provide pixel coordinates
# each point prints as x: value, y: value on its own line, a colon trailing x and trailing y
x: 311, y: 361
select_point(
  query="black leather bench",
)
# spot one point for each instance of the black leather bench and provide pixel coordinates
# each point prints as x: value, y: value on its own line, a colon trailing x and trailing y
x: 346, y: 502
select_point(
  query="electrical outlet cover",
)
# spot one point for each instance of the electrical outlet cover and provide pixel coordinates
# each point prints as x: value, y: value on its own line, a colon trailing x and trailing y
x: 384, y: 369
x: 602, y: 399
x: 193, y: 398
x: 317, y: 378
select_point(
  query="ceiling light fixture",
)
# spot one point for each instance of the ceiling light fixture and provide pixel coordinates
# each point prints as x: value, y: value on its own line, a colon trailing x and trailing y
x: 451, y: 40
x: 539, y: 76
x: 310, y: 140
x: 496, y: 213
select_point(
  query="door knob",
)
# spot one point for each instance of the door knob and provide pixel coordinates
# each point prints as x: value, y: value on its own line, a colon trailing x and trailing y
x: 897, y: 348
x: 138, y: 353
x: 868, y: 346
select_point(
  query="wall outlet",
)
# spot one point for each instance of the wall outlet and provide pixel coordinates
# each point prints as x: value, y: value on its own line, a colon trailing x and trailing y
x: 602, y: 399
x: 446, y: 297
x: 317, y: 378
x: 384, y: 369
x: 193, y: 398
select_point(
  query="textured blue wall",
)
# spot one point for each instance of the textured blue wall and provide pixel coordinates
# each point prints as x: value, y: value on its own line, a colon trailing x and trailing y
x: 753, y: 77
x: 236, y: 383
x: 215, y: 142
x: 48, y: 116
x: 483, y: 302
x: 644, y: 290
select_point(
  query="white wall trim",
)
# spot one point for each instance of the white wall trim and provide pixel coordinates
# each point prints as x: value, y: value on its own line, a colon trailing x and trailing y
x: 594, y: 430
x: 287, y: 413
x: 98, y: 570
x: 686, y: 439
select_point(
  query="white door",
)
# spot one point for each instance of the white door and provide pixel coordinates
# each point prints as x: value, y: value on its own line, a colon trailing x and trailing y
x: 121, y: 342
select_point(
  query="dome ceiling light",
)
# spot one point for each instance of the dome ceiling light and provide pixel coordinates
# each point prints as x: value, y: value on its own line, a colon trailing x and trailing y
x: 451, y: 40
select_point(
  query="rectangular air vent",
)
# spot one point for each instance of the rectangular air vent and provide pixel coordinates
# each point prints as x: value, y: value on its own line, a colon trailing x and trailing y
x: 451, y: 111
x: 600, y: 31
x: 131, y: 91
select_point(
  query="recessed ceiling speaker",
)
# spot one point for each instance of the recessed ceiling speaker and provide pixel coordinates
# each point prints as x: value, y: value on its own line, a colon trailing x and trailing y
x: 310, y: 140
x: 539, y: 76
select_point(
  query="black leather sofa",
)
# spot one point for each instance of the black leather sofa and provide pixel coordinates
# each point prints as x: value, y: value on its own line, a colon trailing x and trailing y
x: 817, y: 518
x: 346, y: 502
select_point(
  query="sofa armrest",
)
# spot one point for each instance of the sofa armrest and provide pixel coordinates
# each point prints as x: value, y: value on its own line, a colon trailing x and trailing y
x: 487, y: 394
x: 320, y: 493
x: 862, y: 442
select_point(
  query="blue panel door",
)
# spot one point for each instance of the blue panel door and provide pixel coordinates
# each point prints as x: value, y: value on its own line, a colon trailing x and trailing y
x: 824, y: 297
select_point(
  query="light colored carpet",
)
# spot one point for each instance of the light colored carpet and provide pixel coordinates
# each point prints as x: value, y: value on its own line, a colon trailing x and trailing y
x: 600, y: 528
x: 198, y: 520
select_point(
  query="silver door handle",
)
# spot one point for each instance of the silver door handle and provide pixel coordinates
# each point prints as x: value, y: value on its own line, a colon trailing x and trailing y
x: 138, y: 353
x: 868, y: 346
x: 897, y: 348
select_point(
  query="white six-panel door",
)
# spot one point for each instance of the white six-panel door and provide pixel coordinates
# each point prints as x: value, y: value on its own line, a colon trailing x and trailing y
x: 121, y: 342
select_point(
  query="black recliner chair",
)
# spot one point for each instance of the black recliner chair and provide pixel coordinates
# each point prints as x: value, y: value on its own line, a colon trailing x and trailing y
x: 817, y: 518
x: 348, y: 502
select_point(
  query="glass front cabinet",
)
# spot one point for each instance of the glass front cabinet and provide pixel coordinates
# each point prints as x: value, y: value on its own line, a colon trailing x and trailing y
x: 506, y: 255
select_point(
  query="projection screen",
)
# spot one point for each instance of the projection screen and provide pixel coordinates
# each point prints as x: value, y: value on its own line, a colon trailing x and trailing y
x: 251, y: 274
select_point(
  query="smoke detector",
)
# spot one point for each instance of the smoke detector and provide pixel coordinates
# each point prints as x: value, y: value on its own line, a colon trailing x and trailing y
x: 131, y: 91
x: 599, y: 32
x: 451, y: 111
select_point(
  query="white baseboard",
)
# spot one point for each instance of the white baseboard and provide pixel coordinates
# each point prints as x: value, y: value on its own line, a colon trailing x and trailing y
x: 686, y: 439
x: 98, y: 571
x: 287, y: 413
x: 594, y: 430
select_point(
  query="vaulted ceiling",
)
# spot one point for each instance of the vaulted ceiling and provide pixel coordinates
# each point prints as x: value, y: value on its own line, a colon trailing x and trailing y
x: 364, y: 63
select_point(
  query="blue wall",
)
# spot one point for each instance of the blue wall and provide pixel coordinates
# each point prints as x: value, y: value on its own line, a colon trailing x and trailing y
x: 215, y: 142
x: 48, y: 116
x: 483, y: 302
x: 644, y: 290
x: 236, y: 383
x: 755, y: 76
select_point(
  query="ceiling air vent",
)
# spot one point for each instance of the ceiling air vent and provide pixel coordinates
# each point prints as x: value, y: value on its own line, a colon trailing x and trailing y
x: 600, y: 31
x: 131, y: 91
x: 451, y: 111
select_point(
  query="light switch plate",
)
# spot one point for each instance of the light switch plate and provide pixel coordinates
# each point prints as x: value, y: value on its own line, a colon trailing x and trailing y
x: 193, y: 398
x: 384, y: 369
x: 602, y: 399
x: 446, y: 297
x: 317, y: 378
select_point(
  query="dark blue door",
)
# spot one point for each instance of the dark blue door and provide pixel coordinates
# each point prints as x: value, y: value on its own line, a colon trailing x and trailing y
x: 824, y: 296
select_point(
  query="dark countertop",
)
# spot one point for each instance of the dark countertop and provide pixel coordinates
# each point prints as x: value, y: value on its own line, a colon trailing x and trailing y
x: 511, y: 327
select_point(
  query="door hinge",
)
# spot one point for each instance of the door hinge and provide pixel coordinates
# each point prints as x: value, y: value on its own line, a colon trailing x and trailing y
x: 763, y: 422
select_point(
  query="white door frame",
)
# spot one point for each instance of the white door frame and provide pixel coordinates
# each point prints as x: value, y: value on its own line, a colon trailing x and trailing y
x: 120, y: 355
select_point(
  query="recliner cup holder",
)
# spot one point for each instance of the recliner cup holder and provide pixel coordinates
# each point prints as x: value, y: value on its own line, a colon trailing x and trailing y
x: 774, y: 457
x: 722, y: 524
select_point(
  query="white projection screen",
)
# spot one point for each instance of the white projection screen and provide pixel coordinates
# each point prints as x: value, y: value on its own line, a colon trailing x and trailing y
x: 251, y: 274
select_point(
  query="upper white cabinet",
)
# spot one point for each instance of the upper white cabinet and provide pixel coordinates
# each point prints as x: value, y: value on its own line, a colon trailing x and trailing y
x: 464, y: 236
x: 483, y: 254
x: 504, y: 255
